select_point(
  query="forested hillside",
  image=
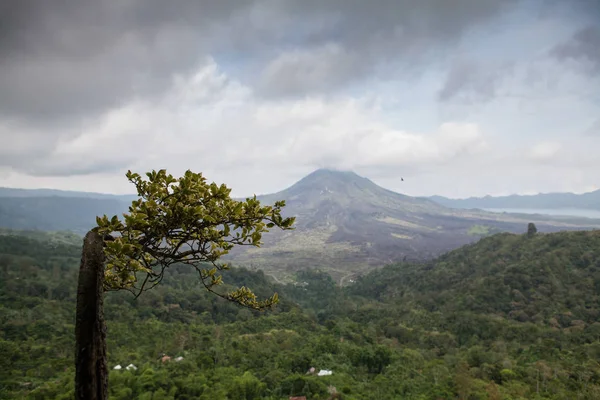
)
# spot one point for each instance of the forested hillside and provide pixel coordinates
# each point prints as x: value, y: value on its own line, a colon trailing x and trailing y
x: 508, y: 276
x: 511, y: 317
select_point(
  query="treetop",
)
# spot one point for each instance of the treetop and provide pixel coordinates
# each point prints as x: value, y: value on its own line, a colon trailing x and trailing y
x: 183, y: 220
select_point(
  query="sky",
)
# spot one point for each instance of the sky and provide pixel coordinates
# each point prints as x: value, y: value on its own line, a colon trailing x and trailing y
x: 460, y: 98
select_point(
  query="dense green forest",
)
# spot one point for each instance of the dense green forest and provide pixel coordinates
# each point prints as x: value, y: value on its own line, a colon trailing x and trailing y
x: 510, y: 317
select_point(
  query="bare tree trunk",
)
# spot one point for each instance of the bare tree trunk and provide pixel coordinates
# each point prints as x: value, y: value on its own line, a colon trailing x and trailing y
x: 91, y: 370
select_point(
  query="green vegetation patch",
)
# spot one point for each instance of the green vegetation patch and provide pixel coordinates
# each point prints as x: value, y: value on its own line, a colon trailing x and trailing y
x: 511, y: 317
x: 479, y: 230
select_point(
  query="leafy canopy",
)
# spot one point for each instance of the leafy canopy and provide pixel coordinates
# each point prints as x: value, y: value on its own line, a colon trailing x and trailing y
x: 183, y: 221
x: 531, y: 229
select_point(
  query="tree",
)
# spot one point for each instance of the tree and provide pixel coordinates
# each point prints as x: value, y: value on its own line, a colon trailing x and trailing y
x: 246, y: 387
x: 492, y: 391
x: 531, y: 229
x: 174, y: 221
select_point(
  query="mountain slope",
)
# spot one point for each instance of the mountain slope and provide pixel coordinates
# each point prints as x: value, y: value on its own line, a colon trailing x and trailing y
x: 346, y: 223
x: 589, y: 200
x: 549, y: 279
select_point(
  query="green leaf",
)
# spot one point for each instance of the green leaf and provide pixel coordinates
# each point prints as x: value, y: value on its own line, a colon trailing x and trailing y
x: 171, y: 211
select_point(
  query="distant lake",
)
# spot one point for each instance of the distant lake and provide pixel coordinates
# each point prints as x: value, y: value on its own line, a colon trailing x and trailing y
x: 568, y: 212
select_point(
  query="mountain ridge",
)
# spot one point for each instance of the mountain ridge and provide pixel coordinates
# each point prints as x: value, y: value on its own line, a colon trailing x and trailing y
x: 589, y: 200
x: 462, y: 202
x: 45, y: 192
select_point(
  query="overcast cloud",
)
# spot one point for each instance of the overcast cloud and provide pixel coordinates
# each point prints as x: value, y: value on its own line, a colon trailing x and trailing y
x: 460, y: 98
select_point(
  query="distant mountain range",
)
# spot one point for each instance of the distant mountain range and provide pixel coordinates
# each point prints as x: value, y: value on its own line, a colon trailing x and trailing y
x: 589, y: 201
x: 345, y: 223
x: 14, y: 192
x: 56, y: 213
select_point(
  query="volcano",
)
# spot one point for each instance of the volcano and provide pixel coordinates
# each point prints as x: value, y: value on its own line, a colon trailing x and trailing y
x: 346, y: 224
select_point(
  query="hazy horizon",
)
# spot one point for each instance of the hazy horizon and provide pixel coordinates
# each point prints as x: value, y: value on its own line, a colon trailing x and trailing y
x: 130, y: 193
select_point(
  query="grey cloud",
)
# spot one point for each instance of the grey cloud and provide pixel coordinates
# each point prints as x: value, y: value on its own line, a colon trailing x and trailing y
x: 50, y: 168
x: 70, y: 58
x: 382, y: 38
x: 361, y: 21
x: 62, y: 64
x: 594, y: 129
x: 581, y: 9
x: 583, y: 47
x: 308, y: 71
x: 472, y: 82
x: 74, y: 58
x: 45, y: 163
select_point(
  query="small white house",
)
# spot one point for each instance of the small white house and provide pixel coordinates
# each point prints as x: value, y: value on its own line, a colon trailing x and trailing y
x: 117, y: 367
x: 131, y: 367
x: 324, y: 372
x: 179, y: 359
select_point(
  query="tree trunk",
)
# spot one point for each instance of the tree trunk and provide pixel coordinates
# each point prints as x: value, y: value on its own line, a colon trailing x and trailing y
x: 91, y: 370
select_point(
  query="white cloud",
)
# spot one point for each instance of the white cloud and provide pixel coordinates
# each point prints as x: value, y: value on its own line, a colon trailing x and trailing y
x: 208, y: 122
x: 212, y: 123
x: 545, y: 151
